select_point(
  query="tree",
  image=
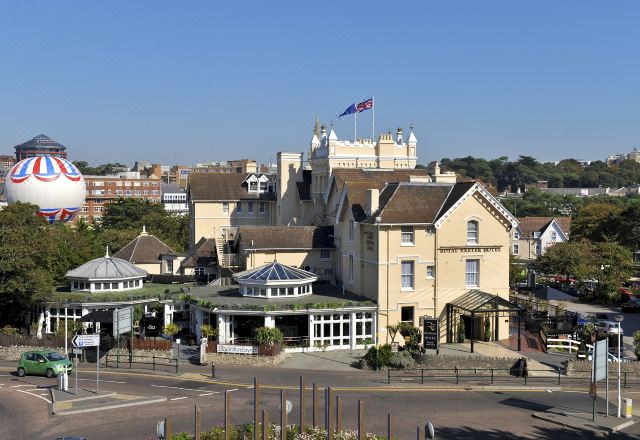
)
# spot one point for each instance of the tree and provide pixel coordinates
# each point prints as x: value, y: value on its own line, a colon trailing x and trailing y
x: 569, y: 258
x: 26, y: 248
x: 269, y: 336
x: 594, y: 222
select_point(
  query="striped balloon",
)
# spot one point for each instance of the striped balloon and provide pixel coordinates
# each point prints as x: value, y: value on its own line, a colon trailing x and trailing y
x: 52, y: 183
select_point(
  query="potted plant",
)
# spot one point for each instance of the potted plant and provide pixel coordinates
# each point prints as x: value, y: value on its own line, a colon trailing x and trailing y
x: 172, y: 329
x: 270, y: 341
x: 461, y: 331
x: 211, y: 333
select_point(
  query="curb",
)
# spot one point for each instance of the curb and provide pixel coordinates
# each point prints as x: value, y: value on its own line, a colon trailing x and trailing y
x: 113, y: 406
x: 605, y: 431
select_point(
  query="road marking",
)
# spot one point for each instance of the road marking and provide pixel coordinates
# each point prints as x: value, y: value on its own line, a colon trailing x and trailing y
x: 101, y: 380
x: 17, y: 386
x: 177, y: 388
x: 34, y: 395
x: 208, y: 394
x: 233, y: 389
x: 178, y: 398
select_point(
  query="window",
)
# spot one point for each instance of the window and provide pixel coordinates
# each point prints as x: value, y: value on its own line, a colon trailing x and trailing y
x: 261, y: 207
x: 538, y: 249
x: 554, y: 236
x: 225, y: 207
x: 97, y: 209
x: 406, y: 314
x: 325, y: 254
x: 250, y: 207
x: 472, y: 273
x: 199, y: 271
x: 239, y: 208
x: 263, y: 186
x: 352, y: 228
x: 516, y: 249
x: 407, y: 235
x: 516, y: 235
x: 351, y: 267
x: 472, y: 232
x: 253, y: 186
x: 431, y: 271
x: 85, y: 209
x: 170, y: 266
x: 407, y: 274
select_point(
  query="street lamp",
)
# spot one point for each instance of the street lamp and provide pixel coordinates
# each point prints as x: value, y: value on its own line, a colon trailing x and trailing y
x: 619, y: 319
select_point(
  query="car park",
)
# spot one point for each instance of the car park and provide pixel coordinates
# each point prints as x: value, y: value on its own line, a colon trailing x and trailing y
x: 631, y: 306
x: 48, y: 363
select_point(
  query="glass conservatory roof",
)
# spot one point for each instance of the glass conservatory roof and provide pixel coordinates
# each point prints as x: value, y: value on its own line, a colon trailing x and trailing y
x: 274, y: 272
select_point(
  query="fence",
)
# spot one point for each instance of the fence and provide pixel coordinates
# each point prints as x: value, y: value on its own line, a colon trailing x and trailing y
x: 490, y: 376
x: 120, y: 360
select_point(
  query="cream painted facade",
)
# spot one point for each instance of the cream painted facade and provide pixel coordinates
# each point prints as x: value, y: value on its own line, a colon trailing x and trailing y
x: 371, y: 257
x: 208, y: 218
x: 318, y: 261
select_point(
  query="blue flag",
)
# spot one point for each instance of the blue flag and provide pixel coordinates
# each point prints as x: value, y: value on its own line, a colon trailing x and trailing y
x: 348, y: 111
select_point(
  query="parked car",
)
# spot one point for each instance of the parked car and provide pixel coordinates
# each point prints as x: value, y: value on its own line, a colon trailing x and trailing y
x: 631, y: 306
x: 609, y: 327
x: 49, y: 363
x: 625, y: 293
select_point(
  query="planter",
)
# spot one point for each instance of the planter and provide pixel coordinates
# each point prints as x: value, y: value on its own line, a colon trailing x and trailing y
x: 212, y: 346
x: 269, y: 350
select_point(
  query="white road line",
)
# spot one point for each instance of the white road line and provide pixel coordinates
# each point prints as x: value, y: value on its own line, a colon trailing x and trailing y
x: 109, y: 381
x: 17, y: 386
x: 233, y: 389
x: 208, y: 394
x: 178, y: 388
x: 179, y: 398
x: 35, y: 395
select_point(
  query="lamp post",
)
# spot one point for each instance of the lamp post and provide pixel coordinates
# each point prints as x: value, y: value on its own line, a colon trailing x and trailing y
x: 619, y: 319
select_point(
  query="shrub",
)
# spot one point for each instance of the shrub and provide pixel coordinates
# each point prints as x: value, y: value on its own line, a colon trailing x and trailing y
x: 402, y: 359
x: 208, y: 331
x: 269, y: 336
x: 461, y: 331
x: 636, y: 344
x: 378, y: 357
x: 7, y: 330
x: 487, y: 329
x: 172, y: 329
x: 412, y: 335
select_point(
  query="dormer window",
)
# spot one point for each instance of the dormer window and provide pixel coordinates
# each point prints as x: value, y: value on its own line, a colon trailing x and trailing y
x: 257, y: 183
x: 253, y: 186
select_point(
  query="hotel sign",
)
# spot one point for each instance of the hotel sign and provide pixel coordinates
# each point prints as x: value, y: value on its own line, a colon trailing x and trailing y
x: 431, y: 333
x: 237, y: 349
x: 469, y: 249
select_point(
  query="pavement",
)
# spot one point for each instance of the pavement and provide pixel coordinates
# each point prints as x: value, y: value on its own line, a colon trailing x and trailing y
x: 600, y: 425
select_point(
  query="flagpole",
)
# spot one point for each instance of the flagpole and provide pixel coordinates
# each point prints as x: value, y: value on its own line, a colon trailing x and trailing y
x: 373, y: 118
x: 355, y: 127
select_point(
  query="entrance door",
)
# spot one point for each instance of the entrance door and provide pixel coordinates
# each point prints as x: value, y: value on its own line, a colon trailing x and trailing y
x: 472, y: 327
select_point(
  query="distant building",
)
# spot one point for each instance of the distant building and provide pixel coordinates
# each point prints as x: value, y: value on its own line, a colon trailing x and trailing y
x: 534, y: 235
x: 174, y: 199
x: 6, y: 162
x: 39, y: 146
x: 101, y: 190
x: 148, y: 252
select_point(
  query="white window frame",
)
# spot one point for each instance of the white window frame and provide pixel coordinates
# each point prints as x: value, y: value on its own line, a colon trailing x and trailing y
x: 431, y: 272
x: 407, y: 236
x: 225, y: 207
x: 472, y: 274
x: 407, y: 280
x: 473, y: 236
x: 516, y: 249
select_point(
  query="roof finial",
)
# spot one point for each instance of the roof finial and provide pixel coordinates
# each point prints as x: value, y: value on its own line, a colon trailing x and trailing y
x: 107, y: 254
x: 316, y: 128
x: 144, y: 230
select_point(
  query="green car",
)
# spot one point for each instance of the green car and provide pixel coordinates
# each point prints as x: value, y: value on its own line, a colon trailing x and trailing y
x: 44, y: 362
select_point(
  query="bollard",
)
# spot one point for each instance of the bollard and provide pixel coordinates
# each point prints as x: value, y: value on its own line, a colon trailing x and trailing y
x: 558, y: 376
x: 153, y: 358
x: 213, y: 369
x: 388, y: 376
x: 360, y: 420
x: 492, y: 376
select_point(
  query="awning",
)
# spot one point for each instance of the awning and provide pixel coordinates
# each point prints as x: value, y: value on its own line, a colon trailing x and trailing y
x: 101, y: 316
x: 477, y: 301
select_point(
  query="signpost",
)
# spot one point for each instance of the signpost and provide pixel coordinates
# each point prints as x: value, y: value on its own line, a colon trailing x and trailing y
x: 432, y: 334
x: 122, y: 319
x: 237, y: 349
x: 77, y: 352
x: 599, y: 371
x: 82, y: 341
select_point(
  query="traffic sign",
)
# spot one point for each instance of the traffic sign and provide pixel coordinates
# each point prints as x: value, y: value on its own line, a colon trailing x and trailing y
x: 81, y: 341
x: 77, y: 351
x: 122, y: 319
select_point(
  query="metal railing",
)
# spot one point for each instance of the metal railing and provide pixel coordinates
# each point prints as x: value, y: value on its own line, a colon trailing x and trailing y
x: 490, y: 376
x: 121, y: 360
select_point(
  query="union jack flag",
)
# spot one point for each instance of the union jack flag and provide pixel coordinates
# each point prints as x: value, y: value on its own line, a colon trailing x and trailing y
x: 364, y: 105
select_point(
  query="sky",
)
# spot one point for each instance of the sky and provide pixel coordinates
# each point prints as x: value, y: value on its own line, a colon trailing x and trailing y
x: 195, y: 81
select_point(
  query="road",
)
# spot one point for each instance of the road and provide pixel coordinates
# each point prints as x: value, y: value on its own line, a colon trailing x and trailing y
x: 25, y: 413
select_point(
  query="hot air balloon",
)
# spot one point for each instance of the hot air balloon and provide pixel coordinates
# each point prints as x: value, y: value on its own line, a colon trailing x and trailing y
x: 52, y: 183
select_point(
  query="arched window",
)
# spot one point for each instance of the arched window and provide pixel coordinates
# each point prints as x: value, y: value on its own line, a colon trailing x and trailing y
x: 472, y: 232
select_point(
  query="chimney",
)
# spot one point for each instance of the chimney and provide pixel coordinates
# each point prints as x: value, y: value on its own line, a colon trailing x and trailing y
x: 373, y: 200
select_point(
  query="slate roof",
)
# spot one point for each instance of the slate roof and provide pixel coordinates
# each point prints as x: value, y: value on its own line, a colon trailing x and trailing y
x: 41, y: 141
x: 406, y: 202
x: 286, y: 237
x: 274, y: 272
x: 203, y: 254
x: 529, y: 225
x: 107, y: 268
x: 144, y: 249
x: 222, y: 187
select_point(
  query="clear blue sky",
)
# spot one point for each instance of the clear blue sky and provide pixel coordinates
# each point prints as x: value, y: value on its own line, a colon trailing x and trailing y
x: 180, y: 82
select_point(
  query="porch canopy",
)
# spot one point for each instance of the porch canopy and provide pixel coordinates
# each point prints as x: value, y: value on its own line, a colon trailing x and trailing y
x: 101, y: 316
x: 477, y: 302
